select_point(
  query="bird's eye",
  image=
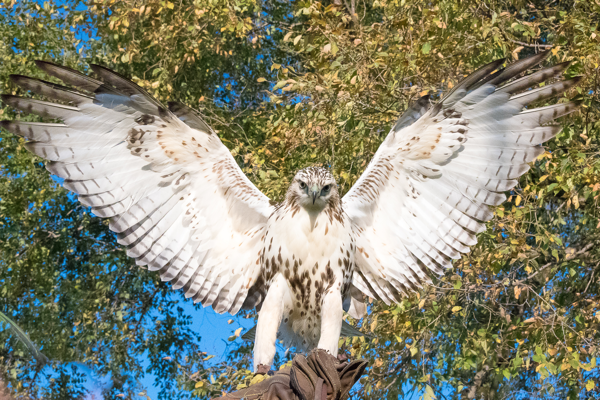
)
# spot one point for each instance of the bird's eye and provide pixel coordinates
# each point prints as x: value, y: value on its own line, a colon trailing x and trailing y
x: 302, y: 185
x: 326, y: 189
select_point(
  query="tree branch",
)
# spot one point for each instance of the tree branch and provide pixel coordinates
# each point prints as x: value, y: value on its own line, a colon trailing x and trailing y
x: 477, y: 381
x: 535, y: 46
x: 583, y: 250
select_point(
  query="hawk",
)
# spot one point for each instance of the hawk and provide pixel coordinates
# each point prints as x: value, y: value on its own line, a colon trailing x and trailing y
x: 178, y: 201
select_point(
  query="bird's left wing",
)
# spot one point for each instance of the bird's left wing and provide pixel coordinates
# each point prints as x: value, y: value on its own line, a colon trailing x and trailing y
x: 426, y: 192
x: 174, y: 194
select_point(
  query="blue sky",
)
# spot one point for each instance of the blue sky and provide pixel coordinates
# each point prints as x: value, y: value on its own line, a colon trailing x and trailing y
x: 214, y: 329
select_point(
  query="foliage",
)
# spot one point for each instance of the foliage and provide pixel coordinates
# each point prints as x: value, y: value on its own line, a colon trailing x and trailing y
x: 293, y: 84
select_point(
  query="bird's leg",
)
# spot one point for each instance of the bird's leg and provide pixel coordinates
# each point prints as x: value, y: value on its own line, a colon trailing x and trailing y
x: 331, y: 321
x: 269, y: 320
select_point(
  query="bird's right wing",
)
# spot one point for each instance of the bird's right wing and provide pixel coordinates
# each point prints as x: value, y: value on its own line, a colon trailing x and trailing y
x: 174, y: 194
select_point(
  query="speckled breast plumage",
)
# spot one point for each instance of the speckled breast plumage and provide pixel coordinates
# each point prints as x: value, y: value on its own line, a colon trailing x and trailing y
x: 314, y: 256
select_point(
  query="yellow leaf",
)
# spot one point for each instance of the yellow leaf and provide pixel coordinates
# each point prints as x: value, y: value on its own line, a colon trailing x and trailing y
x: 170, y: 5
x: 199, y: 384
x: 297, y: 39
x: 456, y: 309
x: 518, y: 201
x: 552, y: 352
x: 516, y: 51
x: 261, y: 80
x: 543, y: 178
x: 287, y: 36
x: 590, y: 384
x: 238, y: 331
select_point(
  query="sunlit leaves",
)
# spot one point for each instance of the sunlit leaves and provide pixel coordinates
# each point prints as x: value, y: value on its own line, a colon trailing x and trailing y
x: 288, y: 85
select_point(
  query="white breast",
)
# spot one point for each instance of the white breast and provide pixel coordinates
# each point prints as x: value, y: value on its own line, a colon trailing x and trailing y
x: 314, y: 253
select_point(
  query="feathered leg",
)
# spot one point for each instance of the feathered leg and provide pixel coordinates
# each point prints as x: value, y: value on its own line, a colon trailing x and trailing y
x: 269, y: 320
x: 331, y: 321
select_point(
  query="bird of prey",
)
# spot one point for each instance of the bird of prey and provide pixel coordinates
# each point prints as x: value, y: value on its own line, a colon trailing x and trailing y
x: 181, y: 205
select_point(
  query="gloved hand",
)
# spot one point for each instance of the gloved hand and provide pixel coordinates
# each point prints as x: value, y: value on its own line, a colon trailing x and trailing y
x: 320, y: 376
x: 276, y: 387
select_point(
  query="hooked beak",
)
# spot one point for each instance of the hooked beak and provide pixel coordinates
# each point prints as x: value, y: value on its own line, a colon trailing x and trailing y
x: 315, y: 192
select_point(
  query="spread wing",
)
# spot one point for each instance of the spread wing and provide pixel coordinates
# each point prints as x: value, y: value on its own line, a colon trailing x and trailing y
x: 174, y: 194
x: 426, y: 192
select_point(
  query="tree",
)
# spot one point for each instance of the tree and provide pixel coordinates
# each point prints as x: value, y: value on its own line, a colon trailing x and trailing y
x: 293, y: 84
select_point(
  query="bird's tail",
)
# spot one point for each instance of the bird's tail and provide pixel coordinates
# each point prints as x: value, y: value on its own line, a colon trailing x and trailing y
x: 347, y: 331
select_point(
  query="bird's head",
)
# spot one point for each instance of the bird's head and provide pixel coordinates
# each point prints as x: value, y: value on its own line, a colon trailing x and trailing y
x: 314, y: 188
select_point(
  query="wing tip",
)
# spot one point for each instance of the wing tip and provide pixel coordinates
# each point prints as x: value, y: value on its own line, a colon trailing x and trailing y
x: 43, y: 64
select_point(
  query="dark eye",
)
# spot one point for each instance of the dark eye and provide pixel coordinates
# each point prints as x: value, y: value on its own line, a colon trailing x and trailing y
x: 302, y: 185
x: 326, y: 188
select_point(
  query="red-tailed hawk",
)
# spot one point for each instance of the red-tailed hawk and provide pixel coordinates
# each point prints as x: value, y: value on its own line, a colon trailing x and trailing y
x: 181, y: 205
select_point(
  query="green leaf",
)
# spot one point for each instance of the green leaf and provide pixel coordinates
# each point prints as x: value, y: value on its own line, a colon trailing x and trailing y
x: 429, y: 392
x: 426, y: 48
x: 334, y: 48
x: 279, y: 85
